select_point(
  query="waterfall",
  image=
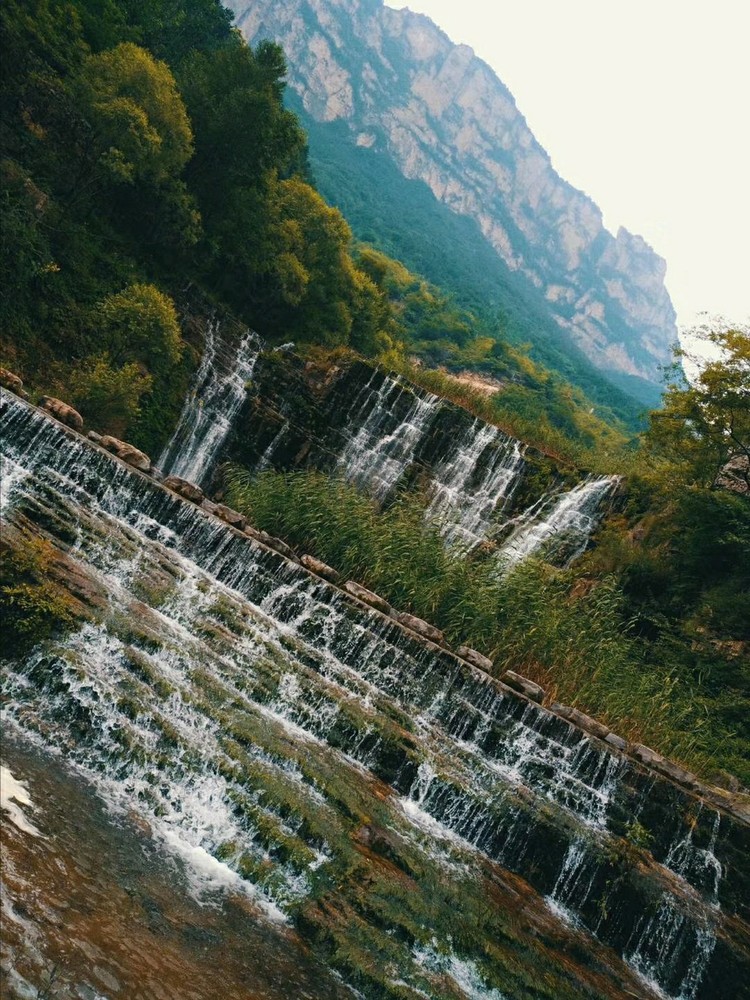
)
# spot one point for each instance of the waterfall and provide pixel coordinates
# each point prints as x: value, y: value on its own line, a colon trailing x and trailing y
x: 214, y: 400
x: 266, y: 459
x: 559, y: 527
x: 260, y: 719
x: 669, y: 931
x: 465, y: 493
x: 378, y: 454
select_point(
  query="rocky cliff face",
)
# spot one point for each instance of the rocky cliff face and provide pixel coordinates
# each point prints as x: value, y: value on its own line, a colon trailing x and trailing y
x: 442, y: 115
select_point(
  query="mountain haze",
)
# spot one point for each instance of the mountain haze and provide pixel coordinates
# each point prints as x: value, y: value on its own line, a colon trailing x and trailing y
x: 373, y: 81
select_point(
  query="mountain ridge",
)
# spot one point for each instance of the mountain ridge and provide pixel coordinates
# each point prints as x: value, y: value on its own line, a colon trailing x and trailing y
x: 444, y: 117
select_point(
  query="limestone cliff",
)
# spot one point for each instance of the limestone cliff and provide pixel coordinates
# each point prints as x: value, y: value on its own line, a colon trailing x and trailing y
x: 402, y: 87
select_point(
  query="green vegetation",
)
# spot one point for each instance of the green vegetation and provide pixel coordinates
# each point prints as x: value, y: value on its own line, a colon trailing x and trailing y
x: 648, y: 631
x: 32, y: 606
x: 442, y: 338
x: 404, y: 219
x: 145, y: 148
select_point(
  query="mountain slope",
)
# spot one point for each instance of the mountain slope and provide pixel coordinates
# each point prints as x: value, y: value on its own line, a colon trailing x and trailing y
x: 390, y: 82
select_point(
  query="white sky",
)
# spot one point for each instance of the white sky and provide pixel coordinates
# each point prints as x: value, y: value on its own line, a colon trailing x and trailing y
x: 645, y: 106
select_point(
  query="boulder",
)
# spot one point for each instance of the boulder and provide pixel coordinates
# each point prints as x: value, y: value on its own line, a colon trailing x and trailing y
x: 367, y: 596
x: 581, y: 720
x: 127, y: 452
x: 230, y: 516
x: 644, y: 754
x: 278, y: 545
x: 523, y: 685
x: 62, y: 412
x: 10, y: 381
x: 616, y: 741
x: 475, y: 658
x: 419, y: 626
x: 320, y: 568
x: 735, y: 475
x: 666, y: 767
x: 209, y: 506
x: 184, y: 489
x: 93, y: 436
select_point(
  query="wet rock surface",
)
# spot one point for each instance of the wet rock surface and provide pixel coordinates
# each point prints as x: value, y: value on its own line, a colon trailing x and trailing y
x: 127, y: 452
x: 229, y: 516
x: 367, y: 596
x: 475, y: 658
x: 9, y: 380
x: 62, y: 412
x: 582, y: 720
x: 94, y: 907
x: 227, y: 696
x: 320, y: 568
x: 523, y: 685
x: 419, y: 626
x: 185, y: 489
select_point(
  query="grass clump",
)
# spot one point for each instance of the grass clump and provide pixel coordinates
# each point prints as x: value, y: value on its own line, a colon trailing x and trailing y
x: 576, y: 631
x: 33, y: 606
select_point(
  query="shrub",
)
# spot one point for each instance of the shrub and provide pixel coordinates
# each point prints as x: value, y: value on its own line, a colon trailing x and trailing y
x: 140, y: 324
x: 107, y: 397
x: 32, y: 606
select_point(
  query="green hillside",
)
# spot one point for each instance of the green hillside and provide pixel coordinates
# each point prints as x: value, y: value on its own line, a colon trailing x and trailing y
x: 403, y: 218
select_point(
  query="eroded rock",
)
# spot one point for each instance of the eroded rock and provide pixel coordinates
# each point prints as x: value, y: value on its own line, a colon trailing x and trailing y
x: 581, y: 720
x: 230, y: 516
x: 367, y: 596
x: 531, y: 689
x: 475, y: 658
x: 184, y: 489
x: 320, y: 568
x: 127, y: 452
x: 420, y: 626
x: 666, y: 767
x: 8, y: 380
x: 278, y: 545
x: 616, y: 741
x: 63, y: 412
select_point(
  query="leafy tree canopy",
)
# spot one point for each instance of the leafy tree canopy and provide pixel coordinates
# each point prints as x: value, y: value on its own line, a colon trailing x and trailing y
x: 706, y: 423
x: 141, y: 129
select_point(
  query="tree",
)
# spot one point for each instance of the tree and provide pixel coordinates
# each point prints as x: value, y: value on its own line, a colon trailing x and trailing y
x: 141, y: 130
x: 139, y: 324
x: 705, y: 424
x: 108, y: 397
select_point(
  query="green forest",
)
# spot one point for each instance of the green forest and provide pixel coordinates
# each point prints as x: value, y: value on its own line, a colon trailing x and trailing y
x: 147, y: 150
x: 147, y: 155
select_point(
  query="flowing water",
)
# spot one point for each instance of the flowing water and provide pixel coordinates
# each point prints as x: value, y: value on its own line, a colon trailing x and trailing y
x: 474, y: 484
x: 291, y: 745
x: 214, y: 400
x: 385, y: 440
x: 558, y: 527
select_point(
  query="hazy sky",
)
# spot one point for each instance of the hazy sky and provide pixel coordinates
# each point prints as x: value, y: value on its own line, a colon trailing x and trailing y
x: 645, y: 106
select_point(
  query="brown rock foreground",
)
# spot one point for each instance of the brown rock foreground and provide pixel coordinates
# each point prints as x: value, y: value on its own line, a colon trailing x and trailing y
x: 127, y: 452
x: 62, y: 412
x: 92, y: 907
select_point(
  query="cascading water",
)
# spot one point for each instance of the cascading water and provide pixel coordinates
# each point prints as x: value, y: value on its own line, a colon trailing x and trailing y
x: 213, y: 402
x: 378, y: 454
x: 668, y: 930
x: 465, y: 494
x: 266, y: 459
x: 248, y: 710
x: 559, y: 527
